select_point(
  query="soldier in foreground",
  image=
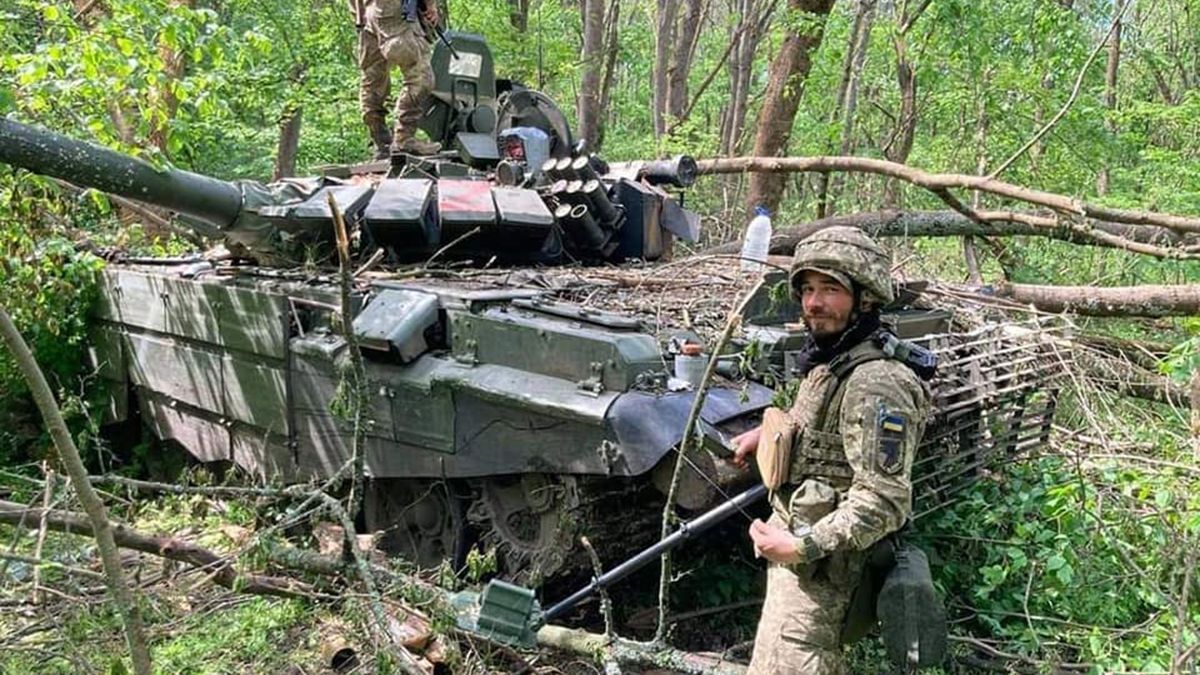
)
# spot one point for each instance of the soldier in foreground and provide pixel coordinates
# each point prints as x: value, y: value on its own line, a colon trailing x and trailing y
x: 393, y: 33
x: 838, y: 463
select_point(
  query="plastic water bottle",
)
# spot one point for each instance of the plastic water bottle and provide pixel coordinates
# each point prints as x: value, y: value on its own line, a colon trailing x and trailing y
x: 757, y: 241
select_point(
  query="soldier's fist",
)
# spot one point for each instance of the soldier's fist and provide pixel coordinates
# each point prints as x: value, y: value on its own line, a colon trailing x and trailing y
x: 774, y: 544
x: 745, y: 444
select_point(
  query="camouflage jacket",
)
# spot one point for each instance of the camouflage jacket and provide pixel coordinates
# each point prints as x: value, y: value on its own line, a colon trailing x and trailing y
x: 851, y: 469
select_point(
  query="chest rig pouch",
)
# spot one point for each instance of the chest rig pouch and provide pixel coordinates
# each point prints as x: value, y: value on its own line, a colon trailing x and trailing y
x: 781, y: 429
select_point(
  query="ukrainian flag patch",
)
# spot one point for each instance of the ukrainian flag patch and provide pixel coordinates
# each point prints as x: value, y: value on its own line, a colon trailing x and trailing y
x: 890, y: 427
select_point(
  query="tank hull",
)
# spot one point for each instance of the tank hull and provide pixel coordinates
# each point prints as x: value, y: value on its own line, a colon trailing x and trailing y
x: 496, y: 415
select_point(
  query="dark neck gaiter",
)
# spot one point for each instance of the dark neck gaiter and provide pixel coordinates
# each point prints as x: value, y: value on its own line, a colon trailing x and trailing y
x: 817, y: 351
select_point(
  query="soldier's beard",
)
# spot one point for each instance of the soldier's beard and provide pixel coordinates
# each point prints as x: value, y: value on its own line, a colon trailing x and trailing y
x: 827, y: 328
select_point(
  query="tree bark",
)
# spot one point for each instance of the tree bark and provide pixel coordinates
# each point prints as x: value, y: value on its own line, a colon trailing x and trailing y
x: 97, y: 515
x: 289, y: 143
x: 1113, y: 301
x: 785, y: 85
x: 593, y: 61
x: 895, y: 223
x: 686, y: 37
x: 1110, y: 90
x: 663, y: 42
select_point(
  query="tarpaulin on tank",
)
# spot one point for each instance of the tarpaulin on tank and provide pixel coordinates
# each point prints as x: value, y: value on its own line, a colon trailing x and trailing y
x: 262, y: 225
x: 648, y: 425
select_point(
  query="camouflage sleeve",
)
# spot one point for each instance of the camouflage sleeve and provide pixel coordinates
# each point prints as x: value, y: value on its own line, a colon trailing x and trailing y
x: 883, y: 415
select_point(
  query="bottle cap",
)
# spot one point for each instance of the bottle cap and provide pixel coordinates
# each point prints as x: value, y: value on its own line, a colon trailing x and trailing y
x: 761, y: 210
x: 691, y: 349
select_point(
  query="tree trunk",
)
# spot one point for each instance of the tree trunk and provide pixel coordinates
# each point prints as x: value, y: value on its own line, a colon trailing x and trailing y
x: 901, y: 142
x: 970, y: 254
x: 173, y: 64
x: 1110, y: 91
x: 593, y: 61
x: 1118, y: 301
x: 847, y: 96
x: 289, y: 144
x: 753, y: 20
x: 784, y: 89
x: 663, y: 43
x: 518, y: 15
x: 686, y: 38
x: 92, y: 505
x: 612, y: 45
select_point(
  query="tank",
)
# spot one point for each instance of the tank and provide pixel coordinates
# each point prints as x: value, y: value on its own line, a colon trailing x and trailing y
x: 511, y: 407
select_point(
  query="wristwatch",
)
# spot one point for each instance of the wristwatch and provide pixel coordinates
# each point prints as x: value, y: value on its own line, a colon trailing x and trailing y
x: 806, y: 547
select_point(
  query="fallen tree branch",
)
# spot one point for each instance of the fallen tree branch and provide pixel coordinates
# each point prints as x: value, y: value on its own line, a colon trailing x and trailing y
x: 223, y: 571
x: 935, y: 182
x: 1148, y: 239
x: 636, y: 653
x: 1111, y: 301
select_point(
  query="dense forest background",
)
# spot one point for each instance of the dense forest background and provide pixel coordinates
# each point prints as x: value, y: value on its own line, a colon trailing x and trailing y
x: 1095, y: 100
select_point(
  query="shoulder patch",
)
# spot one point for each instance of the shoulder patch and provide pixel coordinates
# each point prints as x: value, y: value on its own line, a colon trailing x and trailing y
x: 890, y: 429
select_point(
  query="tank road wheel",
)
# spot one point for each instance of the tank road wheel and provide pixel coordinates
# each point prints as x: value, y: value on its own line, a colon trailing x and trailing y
x: 419, y: 520
x: 531, y: 522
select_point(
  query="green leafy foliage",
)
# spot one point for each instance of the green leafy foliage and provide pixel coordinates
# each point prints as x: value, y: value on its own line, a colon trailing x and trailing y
x: 1088, y: 557
x: 49, y: 289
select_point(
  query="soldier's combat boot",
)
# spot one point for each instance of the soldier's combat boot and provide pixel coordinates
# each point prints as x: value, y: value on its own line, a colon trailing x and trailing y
x: 381, y: 138
x: 413, y: 146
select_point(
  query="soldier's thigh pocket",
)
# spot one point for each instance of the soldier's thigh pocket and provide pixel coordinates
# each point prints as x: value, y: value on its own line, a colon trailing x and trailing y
x: 402, y: 49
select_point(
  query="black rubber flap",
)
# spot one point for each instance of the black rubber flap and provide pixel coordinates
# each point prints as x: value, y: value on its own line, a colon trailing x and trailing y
x: 648, y: 425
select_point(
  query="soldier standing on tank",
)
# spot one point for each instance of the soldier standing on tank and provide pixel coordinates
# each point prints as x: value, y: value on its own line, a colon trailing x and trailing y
x: 857, y: 418
x: 394, y: 33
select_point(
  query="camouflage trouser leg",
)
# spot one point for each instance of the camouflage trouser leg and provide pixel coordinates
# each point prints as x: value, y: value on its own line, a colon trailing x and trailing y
x: 376, y: 83
x: 407, y: 49
x: 800, y: 629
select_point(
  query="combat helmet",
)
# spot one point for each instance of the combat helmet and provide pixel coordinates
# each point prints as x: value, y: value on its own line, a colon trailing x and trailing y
x: 848, y: 255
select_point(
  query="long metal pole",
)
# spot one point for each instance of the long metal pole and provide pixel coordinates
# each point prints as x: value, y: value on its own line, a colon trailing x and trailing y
x: 686, y: 531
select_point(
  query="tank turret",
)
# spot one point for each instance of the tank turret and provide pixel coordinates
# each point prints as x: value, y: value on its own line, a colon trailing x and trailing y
x: 412, y: 207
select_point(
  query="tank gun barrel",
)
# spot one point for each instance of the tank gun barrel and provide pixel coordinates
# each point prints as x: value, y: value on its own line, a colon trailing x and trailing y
x: 88, y: 165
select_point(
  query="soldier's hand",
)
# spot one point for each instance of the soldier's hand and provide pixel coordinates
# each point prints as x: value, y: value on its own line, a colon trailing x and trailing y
x: 431, y: 15
x: 774, y: 543
x: 745, y: 444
